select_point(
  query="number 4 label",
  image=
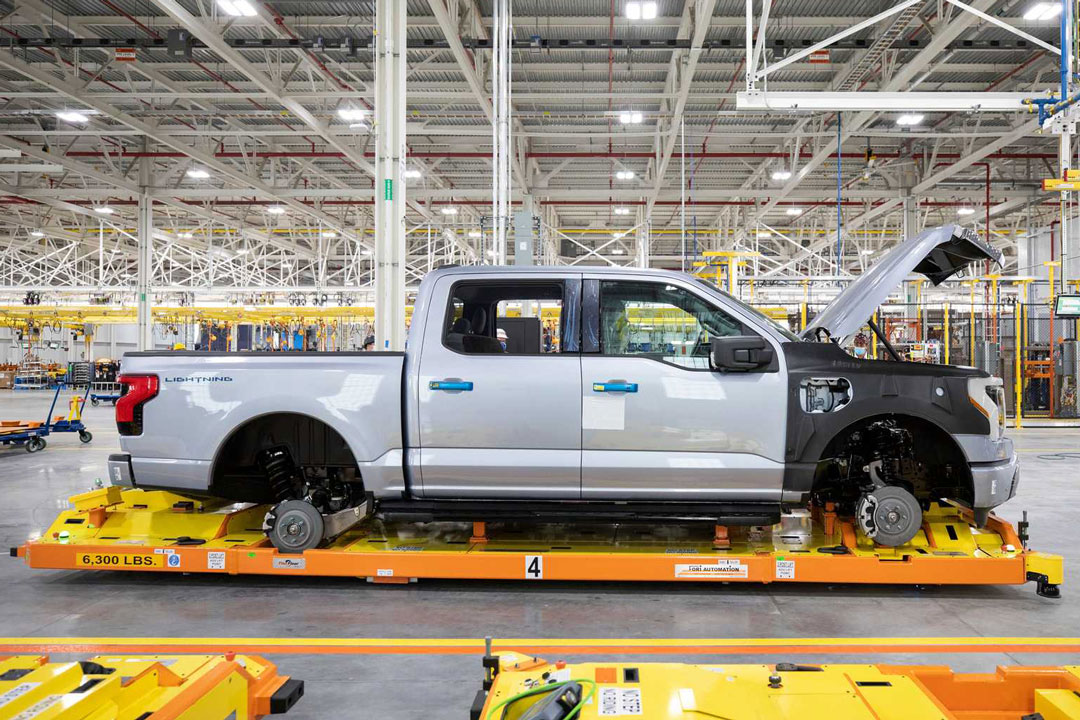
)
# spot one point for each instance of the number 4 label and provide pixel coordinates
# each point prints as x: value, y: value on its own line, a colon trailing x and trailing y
x: 534, y: 567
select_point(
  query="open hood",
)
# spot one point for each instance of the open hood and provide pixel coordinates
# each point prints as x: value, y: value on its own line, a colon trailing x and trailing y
x: 938, y: 253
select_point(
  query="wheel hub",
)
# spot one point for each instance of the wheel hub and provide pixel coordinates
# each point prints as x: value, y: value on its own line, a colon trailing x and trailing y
x: 294, y: 526
x: 892, y: 518
x: 889, y: 515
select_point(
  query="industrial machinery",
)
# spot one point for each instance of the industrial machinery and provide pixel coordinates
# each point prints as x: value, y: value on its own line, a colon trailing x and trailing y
x: 1067, y: 377
x: 523, y: 687
x: 157, y: 531
x: 146, y: 687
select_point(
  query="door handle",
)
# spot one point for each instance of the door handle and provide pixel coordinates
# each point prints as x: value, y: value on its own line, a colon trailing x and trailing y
x: 627, y: 387
x: 465, y: 385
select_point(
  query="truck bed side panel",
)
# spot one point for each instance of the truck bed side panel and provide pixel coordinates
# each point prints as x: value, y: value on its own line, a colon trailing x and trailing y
x: 357, y: 394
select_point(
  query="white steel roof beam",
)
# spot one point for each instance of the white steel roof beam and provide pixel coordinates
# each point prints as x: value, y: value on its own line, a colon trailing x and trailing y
x: 164, y: 138
x: 696, y: 15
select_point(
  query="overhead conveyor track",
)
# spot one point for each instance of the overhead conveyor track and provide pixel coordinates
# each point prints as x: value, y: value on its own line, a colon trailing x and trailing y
x: 111, y: 529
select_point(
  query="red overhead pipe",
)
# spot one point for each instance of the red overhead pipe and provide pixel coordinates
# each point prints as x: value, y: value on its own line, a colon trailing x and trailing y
x: 531, y: 155
x: 484, y: 203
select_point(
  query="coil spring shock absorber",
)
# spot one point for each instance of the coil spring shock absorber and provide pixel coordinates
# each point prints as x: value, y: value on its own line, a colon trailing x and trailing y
x: 281, y: 472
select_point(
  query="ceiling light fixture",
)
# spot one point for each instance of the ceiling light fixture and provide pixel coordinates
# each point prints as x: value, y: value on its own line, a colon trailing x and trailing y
x: 329, y: 234
x: 275, y: 210
x: 475, y: 234
x: 618, y: 251
x: 636, y: 10
x: 621, y: 211
x: 185, y: 235
x: 449, y: 210
x: 910, y: 120
x: 411, y: 174
x: 624, y: 175
x: 104, y: 210
x: 351, y: 114
x: 365, y: 252
x: 1043, y: 11
x: 237, y: 8
x: 866, y: 251
x: 781, y: 175
x: 965, y: 211
x: 630, y: 117
x: 793, y: 211
x: 72, y: 116
x: 198, y: 173
x: 36, y: 233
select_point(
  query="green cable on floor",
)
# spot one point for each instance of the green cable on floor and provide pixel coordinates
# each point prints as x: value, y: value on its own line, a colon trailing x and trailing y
x: 546, y: 689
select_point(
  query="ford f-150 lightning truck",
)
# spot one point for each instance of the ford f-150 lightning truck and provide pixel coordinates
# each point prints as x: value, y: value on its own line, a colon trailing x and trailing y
x: 661, y: 397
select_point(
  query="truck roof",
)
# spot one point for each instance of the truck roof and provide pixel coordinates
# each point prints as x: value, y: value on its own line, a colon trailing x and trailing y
x: 568, y: 269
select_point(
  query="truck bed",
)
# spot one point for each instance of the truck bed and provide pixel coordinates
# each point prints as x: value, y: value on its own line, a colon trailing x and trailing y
x: 204, y: 397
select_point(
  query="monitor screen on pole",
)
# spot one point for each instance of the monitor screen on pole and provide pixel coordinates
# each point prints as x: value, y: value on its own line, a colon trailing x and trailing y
x: 1067, y: 306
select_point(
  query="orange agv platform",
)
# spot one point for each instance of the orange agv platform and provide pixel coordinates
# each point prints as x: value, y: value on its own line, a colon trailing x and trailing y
x: 143, y: 531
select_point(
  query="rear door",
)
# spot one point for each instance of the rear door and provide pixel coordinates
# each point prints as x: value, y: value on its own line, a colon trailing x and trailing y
x: 500, y: 417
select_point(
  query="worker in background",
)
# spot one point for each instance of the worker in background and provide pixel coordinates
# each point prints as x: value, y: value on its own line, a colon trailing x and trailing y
x: 502, y: 337
x: 369, y: 343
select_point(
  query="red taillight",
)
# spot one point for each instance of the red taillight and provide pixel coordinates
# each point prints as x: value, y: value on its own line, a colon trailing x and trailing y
x: 137, y: 390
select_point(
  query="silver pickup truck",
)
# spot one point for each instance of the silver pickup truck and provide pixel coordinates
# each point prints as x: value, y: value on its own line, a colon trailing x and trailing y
x: 563, y: 393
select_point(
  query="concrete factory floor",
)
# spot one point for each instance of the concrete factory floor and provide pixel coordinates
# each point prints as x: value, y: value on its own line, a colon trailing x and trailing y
x: 39, y: 603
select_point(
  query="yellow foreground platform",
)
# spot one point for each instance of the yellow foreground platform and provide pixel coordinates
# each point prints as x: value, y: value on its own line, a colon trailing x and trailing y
x: 143, y: 531
x: 145, y: 687
x: 517, y: 688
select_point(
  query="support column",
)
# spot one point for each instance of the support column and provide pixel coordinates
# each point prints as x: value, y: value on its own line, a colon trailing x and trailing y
x: 1068, y: 233
x: 501, y: 147
x: 524, y: 233
x: 389, y: 163
x: 145, y: 258
x: 642, y: 260
x: 910, y: 226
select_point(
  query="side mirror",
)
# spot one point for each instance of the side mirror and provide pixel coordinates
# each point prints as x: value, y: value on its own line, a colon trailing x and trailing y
x: 743, y: 353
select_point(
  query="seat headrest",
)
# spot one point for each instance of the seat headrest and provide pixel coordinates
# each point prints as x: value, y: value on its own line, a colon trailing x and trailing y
x: 462, y: 326
x: 479, y: 321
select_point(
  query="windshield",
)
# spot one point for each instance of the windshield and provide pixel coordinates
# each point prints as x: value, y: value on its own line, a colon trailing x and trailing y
x: 750, y: 309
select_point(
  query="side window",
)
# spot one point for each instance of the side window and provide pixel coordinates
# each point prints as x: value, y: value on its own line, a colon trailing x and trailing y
x: 661, y: 321
x: 505, y: 318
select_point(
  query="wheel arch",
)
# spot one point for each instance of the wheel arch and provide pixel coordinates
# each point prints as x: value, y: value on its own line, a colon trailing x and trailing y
x: 265, y: 419
x: 941, y: 443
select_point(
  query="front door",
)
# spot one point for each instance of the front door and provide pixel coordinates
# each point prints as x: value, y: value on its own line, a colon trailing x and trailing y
x: 657, y: 422
x: 500, y: 416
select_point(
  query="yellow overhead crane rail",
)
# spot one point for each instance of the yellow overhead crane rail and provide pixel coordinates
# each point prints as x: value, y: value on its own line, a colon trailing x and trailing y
x: 75, y: 316
x: 144, y: 687
x: 517, y: 686
x: 1071, y: 181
